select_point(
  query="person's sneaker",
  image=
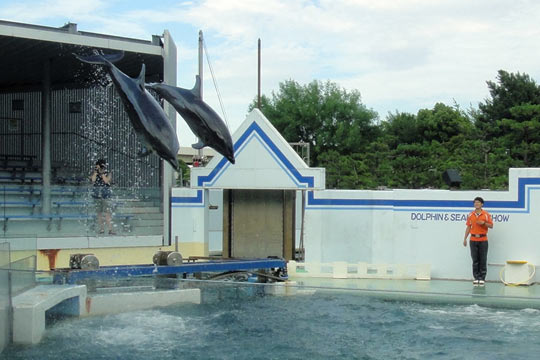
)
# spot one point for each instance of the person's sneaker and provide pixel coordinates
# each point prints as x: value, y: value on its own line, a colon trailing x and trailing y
x: 475, y: 282
x: 481, y: 282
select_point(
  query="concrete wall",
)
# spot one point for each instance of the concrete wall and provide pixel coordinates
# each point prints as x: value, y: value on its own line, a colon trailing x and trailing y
x: 4, y: 296
x: 424, y: 226
x: 189, y: 220
x: 215, y: 220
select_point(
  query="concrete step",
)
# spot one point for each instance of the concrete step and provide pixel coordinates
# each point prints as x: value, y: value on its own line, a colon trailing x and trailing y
x: 145, y: 222
x: 149, y: 216
x: 18, y: 210
x: 147, y: 230
x: 134, y: 203
x: 142, y: 210
x: 45, y: 227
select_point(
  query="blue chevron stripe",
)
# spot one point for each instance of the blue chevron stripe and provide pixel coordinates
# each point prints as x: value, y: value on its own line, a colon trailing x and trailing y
x: 281, y: 159
x: 522, y: 204
x: 188, y: 201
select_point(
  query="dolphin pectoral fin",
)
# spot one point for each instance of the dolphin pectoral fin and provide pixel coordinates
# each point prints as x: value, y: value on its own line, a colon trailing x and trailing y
x: 198, y: 145
x: 140, y: 79
x: 144, y: 152
x: 197, y: 88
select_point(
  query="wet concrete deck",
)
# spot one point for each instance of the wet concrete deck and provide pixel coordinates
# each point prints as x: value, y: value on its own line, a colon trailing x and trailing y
x: 432, y: 291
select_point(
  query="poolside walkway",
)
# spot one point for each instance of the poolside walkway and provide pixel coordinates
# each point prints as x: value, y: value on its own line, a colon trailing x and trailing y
x: 432, y: 291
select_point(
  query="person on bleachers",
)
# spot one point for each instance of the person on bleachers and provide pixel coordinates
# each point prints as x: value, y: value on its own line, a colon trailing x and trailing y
x: 101, y: 192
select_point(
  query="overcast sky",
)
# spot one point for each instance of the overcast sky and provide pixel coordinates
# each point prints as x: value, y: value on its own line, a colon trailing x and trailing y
x: 401, y: 55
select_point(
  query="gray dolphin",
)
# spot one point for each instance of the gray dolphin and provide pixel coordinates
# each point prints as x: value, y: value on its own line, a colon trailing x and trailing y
x: 201, y: 118
x: 146, y: 115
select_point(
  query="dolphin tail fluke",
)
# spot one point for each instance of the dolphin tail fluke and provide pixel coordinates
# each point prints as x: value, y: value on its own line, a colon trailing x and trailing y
x: 197, y: 88
x: 100, y: 59
x: 198, y: 146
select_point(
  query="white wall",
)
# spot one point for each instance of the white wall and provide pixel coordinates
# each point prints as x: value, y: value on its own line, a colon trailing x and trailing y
x: 393, y: 226
x: 188, y: 213
x: 424, y: 226
x: 215, y: 220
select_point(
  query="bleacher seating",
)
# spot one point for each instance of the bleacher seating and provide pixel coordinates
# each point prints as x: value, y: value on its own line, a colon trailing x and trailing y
x: 18, y: 162
x: 73, y: 212
x: 72, y: 207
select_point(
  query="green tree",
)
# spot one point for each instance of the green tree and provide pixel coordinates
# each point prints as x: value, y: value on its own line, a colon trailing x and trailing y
x: 442, y: 123
x: 184, y: 172
x: 422, y: 146
x: 324, y: 115
x: 346, y: 171
x: 508, y: 91
x: 522, y: 131
x: 401, y: 128
x: 508, y: 125
x: 412, y: 150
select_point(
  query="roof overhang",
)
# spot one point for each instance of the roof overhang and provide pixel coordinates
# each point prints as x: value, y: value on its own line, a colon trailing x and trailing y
x: 25, y: 48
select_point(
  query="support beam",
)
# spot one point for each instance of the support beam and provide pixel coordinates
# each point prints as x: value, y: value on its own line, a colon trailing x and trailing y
x: 46, y: 138
x: 168, y: 174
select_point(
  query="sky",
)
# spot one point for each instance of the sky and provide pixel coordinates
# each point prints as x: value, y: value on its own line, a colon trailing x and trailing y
x: 401, y: 55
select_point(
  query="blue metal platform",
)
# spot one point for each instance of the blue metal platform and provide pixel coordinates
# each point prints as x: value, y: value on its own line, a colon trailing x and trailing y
x: 74, y: 276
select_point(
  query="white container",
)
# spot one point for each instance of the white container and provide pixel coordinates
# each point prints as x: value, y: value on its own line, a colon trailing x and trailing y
x: 518, y: 272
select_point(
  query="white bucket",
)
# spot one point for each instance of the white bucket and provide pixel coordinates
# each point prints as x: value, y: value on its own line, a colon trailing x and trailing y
x: 518, y: 272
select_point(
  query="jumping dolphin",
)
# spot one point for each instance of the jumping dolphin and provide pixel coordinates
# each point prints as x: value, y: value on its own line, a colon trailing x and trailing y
x: 202, y: 120
x: 146, y: 115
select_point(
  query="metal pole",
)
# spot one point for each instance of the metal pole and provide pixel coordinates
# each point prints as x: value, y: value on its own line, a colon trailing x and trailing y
x: 46, y: 139
x: 10, y: 296
x: 200, y: 77
x: 259, y: 76
x: 176, y: 243
x: 201, y: 61
x: 302, y: 226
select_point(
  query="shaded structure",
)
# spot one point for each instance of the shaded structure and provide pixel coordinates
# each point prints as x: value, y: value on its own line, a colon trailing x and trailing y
x: 57, y: 116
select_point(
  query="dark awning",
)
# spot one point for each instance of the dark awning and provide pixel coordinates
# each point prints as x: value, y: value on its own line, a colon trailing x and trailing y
x: 26, y: 47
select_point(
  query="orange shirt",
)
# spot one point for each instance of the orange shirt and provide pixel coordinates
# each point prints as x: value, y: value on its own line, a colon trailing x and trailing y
x: 479, y: 229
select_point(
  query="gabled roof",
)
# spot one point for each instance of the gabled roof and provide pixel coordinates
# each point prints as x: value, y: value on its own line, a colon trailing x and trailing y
x: 264, y: 160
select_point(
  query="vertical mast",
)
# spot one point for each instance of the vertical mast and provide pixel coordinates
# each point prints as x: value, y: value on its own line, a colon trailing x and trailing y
x: 200, y: 77
x: 259, y: 76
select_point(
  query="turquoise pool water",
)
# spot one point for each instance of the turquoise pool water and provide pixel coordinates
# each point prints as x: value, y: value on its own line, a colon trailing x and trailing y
x: 234, y: 324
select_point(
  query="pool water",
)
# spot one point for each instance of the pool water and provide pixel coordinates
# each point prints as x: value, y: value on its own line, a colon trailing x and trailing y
x: 322, y: 325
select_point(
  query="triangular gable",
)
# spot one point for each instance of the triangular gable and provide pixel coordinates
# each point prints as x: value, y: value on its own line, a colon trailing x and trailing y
x: 264, y: 160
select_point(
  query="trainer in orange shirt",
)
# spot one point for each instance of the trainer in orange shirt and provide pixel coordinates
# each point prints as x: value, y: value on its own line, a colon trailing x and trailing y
x: 478, y: 223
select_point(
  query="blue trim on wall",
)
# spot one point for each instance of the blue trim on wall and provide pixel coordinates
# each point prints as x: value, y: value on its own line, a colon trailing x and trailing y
x: 272, y: 148
x: 197, y: 199
x: 522, y: 204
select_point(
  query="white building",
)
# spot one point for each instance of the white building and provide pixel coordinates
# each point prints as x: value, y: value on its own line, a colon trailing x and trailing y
x: 254, y: 209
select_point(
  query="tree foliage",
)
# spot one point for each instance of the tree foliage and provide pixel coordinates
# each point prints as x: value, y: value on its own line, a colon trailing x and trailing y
x: 411, y: 150
x: 330, y: 119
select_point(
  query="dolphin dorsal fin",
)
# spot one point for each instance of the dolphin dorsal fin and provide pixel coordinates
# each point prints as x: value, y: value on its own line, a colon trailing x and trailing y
x: 197, y: 88
x: 140, y: 79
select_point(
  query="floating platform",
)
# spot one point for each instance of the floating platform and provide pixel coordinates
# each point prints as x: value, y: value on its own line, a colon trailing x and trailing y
x: 29, y: 309
x: 74, y: 276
